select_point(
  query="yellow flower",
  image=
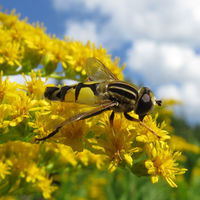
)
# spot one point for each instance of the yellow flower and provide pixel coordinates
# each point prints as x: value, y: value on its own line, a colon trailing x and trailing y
x: 45, y: 123
x: 146, y: 136
x: 16, y: 33
x: 87, y: 157
x: 20, y: 153
x: 24, y: 45
x: 21, y: 161
x: 9, y: 20
x: 5, y: 167
x: 63, y: 150
x: 181, y: 144
x: 78, y: 53
x: 48, y: 119
x: 57, y: 53
x: 10, y: 54
x: 52, y: 115
x: 46, y: 187
x: 72, y: 135
x: 37, y: 40
x: 34, y: 173
x: 5, y: 35
x: 15, y: 104
x: 5, y: 110
x: 35, y: 86
x: 20, y: 108
x: 6, y: 88
x: 162, y: 162
x: 116, y: 143
x: 3, y: 86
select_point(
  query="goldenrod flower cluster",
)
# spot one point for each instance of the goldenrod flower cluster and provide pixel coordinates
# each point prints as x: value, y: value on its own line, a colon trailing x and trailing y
x: 26, y: 115
x: 24, y: 47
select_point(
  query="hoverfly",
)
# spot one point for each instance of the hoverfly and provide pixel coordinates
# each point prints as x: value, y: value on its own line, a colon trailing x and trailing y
x: 105, y: 92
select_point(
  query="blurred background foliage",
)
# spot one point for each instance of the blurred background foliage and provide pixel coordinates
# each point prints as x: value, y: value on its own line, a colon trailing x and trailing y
x: 83, y: 181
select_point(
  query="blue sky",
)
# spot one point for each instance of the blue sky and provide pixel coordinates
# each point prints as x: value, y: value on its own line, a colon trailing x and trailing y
x: 159, y: 40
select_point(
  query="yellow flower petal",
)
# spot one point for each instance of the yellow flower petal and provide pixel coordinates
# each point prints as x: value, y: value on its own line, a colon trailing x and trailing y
x: 154, y: 179
x: 128, y: 159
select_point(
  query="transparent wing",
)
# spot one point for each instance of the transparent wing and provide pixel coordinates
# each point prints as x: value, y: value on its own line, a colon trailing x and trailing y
x: 97, y: 71
x: 81, y: 116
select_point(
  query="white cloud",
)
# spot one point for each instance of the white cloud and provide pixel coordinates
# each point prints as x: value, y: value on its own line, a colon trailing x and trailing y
x: 172, y: 20
x: 17, y: 79
x: 189, y: 94
x: 82, y: 31
x: 20, y: 79
x: 162, y: 63
x: 169, y: 92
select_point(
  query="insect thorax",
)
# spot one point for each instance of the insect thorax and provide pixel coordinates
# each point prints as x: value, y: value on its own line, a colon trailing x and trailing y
x: 122, y: 93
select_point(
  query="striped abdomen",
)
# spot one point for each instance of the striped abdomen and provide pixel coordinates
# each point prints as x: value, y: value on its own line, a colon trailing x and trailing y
x: 83, y: 93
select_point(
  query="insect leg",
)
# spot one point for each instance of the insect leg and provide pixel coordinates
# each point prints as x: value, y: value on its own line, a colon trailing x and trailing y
x: 111, y: 122
x: 112, y: 118
x: 141, y: 123
x: 80, y: 116
x: 50, y: 135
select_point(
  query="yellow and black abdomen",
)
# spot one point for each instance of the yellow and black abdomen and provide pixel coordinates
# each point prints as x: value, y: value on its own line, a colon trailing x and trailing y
x: 83, y: 93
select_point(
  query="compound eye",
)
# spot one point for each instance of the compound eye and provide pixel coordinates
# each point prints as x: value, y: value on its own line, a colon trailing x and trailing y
x: 146, y: 98
x: 145, y: 106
